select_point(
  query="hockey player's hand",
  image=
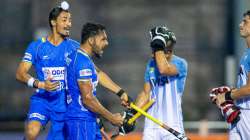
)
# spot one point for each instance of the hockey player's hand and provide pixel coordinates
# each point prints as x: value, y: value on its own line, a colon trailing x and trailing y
x: 126, y: 128
x: 161, y: 37
x: 228, y: 109
x: 218, y: 91
x: 49, y: 85
x: 117, y: 119
x: 125, y: 100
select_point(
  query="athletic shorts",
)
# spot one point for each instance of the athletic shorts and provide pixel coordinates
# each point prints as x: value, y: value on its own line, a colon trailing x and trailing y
x: 241, y: 130
x: 82, y: 130
x: 41, y: 112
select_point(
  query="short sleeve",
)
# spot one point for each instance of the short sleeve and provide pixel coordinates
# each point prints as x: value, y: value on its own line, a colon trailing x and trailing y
x: 182, y: 68
x: 247, y: 67
x: 30, y: 53
x: 147, y: 72
x: 84, y: 69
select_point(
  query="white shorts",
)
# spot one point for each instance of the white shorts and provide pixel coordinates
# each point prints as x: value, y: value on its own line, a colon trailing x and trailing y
x: 157, y: 134
x: 241, y: 131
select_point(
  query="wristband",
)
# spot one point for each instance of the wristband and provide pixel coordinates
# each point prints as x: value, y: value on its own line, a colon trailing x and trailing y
x: 228, y: 96
x: 36, y: 83
x: 30, y: 82
x: 120, y: 92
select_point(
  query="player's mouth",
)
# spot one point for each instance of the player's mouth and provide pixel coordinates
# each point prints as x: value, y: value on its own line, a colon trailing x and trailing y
x: 67, y: 30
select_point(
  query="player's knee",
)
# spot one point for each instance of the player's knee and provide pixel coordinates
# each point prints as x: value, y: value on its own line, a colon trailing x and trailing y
x: 32, y: 130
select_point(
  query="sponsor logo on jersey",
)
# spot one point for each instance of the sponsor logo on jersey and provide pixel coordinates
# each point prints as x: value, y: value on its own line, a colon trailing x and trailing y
x: 53, y: 73
x: 85, y: 72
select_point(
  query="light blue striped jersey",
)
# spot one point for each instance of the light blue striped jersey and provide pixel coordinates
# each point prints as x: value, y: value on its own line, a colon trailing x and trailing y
x: 167, y: 91
x: 243, y: 72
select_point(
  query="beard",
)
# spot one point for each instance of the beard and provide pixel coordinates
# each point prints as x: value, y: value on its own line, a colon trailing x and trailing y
x: 97, y: 52
x: 97, y: 55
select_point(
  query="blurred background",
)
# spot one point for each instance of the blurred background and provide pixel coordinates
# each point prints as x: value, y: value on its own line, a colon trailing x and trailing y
x: 207, y: 37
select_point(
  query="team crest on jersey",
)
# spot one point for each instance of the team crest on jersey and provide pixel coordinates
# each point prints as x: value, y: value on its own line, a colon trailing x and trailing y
x: 85, y: 72
x: 152, y: 69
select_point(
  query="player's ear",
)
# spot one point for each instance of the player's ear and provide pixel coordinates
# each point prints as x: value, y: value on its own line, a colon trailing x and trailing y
x: 91, y: 41
x: 53, y: 22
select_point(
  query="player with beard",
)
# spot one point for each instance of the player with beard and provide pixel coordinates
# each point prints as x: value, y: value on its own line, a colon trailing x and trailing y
x: 83, y: 77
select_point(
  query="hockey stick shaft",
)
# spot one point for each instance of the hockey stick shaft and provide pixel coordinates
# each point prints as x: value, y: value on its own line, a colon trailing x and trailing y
x: 174, y: 132
x: 138, y: 114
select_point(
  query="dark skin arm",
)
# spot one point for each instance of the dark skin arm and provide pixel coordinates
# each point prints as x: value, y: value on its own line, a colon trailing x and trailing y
x: 107, y: 82
x: 94, y: 105
x: 22, y: 75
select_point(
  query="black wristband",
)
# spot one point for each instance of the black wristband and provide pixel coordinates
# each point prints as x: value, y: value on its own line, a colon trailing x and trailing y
x: 35, y: 84
x: 120, y: 92
x: 228, y: 96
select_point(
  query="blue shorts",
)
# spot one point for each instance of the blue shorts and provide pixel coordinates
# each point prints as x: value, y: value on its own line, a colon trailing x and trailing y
x: 82, y: 130
x: 41, y: 112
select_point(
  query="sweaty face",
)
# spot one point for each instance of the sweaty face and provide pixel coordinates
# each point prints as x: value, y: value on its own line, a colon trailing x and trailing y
x: 245, y: 27
x: 63, y: 23
x: 101, y: 42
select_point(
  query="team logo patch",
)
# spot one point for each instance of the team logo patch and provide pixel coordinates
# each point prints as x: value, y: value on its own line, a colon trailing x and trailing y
x: 85, y: 72
x: 151, y: 69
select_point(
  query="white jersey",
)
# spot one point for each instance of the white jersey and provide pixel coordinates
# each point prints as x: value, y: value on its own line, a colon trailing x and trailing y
x: 167, y: 91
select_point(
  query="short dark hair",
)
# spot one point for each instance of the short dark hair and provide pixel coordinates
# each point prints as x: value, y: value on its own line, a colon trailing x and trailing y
x: 90, y: 30
x: 247, y: 13
x: 54, y: 13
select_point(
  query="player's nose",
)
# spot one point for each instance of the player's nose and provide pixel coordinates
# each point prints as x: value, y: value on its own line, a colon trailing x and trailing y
x: 241, y: 24
x: 106, y: 44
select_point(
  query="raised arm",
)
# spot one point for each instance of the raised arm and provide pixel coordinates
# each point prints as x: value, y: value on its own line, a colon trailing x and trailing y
x: 163, y: 64
x: 108, y: 83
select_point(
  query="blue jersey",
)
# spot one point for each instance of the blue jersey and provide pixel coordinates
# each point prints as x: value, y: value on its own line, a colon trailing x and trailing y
x: 49, y: 63
x: 243, y: 78
x: 167, y: 92
x: 80, y: 68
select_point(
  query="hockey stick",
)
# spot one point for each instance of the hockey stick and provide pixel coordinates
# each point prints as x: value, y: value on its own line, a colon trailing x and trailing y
x: 169, y: 129
x: 138, y: 114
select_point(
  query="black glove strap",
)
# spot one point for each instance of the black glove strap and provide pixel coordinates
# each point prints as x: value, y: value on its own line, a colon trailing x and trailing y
x: 120, y: 92
x: 228, y: 96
